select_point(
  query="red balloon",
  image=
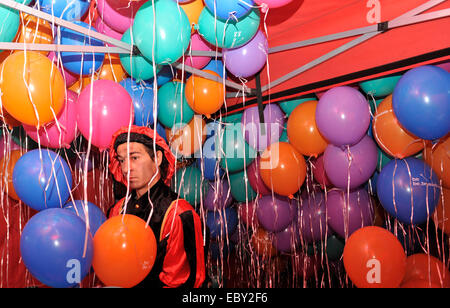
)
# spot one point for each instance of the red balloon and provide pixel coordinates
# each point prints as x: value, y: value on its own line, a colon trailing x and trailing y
x: 374, y: 258
x: 428, y: 269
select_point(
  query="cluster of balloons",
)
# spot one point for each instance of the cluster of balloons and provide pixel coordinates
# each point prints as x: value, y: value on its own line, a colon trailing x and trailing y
x: 247, y: 172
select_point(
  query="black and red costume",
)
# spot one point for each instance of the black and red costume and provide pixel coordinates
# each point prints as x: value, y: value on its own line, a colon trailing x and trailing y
x: 179, y: 232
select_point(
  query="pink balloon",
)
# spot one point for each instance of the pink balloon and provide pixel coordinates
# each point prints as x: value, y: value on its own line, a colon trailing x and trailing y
x: 247, y: 214
x: 112, y: 108
x: 198, y: 44
x: 319, y: 173
x: 445, y: 66
x: 118, y: 15
x: 255, y: 179
x: 69, y: 78
x: 272, y: 3
x: 103, y: 28
x: 53, y: 136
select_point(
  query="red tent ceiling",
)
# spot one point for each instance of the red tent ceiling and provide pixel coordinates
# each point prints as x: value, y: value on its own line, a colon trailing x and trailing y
x: 393, y: 51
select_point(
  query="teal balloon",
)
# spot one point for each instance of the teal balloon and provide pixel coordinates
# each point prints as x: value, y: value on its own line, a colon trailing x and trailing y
x: 173, y: 107
x: 228, y: 33
x: 171, y: 27
x: 137, y: 66
x: 10, y: 24
x: 241, y: 190
x: 289, y: 106
x: 380, y: 87
x: 234, y: 118
x: 233, y: 151
x: 334, y: 248
x: 24, y: 2
x: 189, y: 184
x: 284, y: 136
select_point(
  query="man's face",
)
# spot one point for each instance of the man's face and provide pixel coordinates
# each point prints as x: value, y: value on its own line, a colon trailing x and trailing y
x: 141, y: 167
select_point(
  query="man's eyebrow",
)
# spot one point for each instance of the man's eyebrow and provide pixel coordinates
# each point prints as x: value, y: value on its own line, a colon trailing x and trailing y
x: 131, y: 153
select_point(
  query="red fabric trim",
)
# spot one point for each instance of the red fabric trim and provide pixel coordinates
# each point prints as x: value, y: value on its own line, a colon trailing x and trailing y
x: 114, y: 165
x: 176, y: 267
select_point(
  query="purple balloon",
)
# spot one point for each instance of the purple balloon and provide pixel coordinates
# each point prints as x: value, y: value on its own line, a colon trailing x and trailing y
x: 354, y: 165
x: 249, y: 59
x: 274, y: 213
x: 218, y: 196
x: 348, y: 214
x: 312, y: 220
x: 343, y: 116
x: 273, y: 126
x: 255, y: 179
x: 288, y: 239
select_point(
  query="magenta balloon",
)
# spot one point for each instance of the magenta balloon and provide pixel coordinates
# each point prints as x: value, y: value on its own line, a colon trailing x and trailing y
x: 198, y: 44
x: 218, y: 196
x: 273, y: 126
x: 312, y: 220
x: 274, y: 213
x: 103, y: 28
x: 58, y: 134
x: 348, y: 214
x: 112, y: 108
x: 352, y: 165
x: 343, y: 116
x: 118, y: 15
x: 249, y: 59
x: 255, y: 178
x: 319, y: 172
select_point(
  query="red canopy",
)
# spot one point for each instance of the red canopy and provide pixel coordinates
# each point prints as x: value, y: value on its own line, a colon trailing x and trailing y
x: 393, y: 51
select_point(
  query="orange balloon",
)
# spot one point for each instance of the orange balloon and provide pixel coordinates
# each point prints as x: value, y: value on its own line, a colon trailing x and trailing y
x: 7, y: 164
x: 40, y: 89
x: 34, y: 30
x: 262, y: 243
x: 193, y: 10
x: 390, y: 134
x: 441, y: 216
x: 438, y: 157
x: 425, y: 267
x: 203, y: 95
x: 124, y: 251
x: 112, y: 69
x: 374, y: 258
x: 302, y: 130
x: 282, y: 168
x: 189, y: 139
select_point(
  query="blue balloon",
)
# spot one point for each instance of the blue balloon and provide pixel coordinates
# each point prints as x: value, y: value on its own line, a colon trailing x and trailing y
x: 222, y: 223
x: 66, y: 9
x: 161, y: 131
x: 95, y: 214
x: 209, y: 160
x: 230, y: 9
x: 421, y: 102
x: 142, y: 95
x: 77, y: 62
x: 42, y: 184
x: 54, y: 249
x: 408, y: 189
x: 217, y: 67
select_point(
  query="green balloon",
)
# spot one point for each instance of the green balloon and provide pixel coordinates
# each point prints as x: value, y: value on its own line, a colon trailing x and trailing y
x: 228, y: 33
x: 10, y: 23
x: 171, y: 27
x: 284, y: 136
x: 289, y: 106
x: 380, y: 87
x: 233, y: 151
x: 240, y: 190
x: 137, y: 66
x: 190, y: 185
x: 173, y: 107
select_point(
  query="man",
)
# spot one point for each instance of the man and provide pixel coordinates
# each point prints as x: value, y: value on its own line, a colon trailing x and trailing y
x: 180, y: 260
